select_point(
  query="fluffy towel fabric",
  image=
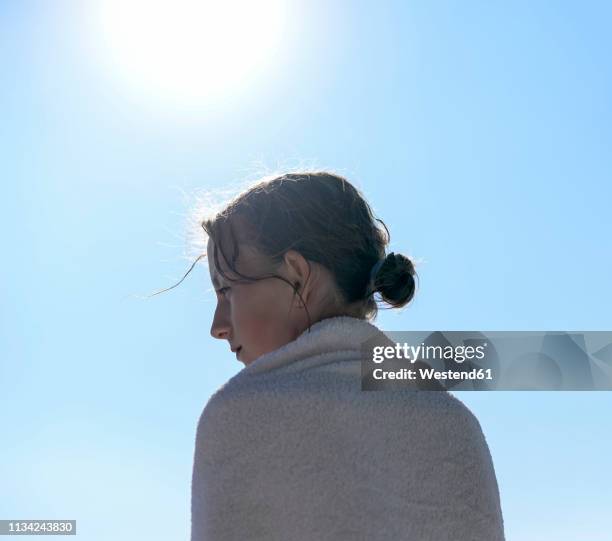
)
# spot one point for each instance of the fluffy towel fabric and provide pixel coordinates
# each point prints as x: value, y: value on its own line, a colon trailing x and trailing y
x: 291, y: 449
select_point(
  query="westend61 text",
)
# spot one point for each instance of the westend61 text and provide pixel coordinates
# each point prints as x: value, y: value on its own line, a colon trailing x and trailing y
x: 430, y: 373
x: 423, y: 352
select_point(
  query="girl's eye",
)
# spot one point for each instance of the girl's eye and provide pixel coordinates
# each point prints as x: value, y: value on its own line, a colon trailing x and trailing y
x: 222, y: 290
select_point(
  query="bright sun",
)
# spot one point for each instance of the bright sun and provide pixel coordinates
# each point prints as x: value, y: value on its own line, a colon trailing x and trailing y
x: 190, y: 49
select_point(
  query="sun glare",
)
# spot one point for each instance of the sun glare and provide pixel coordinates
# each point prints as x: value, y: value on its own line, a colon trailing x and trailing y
x: 190, y: 49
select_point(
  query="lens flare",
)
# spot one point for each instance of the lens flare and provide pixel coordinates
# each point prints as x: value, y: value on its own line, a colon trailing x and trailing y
x: 190, y: 49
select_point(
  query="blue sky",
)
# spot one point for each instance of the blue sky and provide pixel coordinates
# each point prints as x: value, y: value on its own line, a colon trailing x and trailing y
x: 480, y: 133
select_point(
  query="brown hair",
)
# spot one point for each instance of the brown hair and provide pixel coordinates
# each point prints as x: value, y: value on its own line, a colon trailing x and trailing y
x: 327, y: 220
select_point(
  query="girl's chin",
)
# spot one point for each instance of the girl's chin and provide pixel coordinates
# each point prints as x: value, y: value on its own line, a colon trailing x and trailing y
x: 240, y: 356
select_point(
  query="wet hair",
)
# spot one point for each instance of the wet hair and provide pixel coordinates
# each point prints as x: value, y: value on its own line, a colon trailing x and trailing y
x: 327, y: 220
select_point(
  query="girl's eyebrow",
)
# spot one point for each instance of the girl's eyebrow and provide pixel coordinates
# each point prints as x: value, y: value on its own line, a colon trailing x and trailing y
x: 214, y: 277
x: 217, y: 282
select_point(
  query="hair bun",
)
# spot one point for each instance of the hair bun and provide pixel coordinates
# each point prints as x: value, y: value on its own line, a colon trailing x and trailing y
x: 395, y: 280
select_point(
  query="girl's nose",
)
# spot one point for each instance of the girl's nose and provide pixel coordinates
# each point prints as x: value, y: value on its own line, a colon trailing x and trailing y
x: 220, y: 327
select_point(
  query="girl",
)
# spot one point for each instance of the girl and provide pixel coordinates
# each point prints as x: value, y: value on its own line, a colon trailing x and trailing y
x: 291, y: 448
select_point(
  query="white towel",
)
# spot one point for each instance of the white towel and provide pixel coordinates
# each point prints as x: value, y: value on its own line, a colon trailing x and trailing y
x: 291, y: 449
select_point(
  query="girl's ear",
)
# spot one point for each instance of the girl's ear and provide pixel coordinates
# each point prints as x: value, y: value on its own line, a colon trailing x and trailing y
x: 298, y: 270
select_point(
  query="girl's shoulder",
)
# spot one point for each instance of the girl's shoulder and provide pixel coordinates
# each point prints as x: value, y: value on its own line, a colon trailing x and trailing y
x: 309, y: 397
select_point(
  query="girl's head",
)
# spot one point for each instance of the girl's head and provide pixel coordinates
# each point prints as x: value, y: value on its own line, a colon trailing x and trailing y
x: 293, y: 250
